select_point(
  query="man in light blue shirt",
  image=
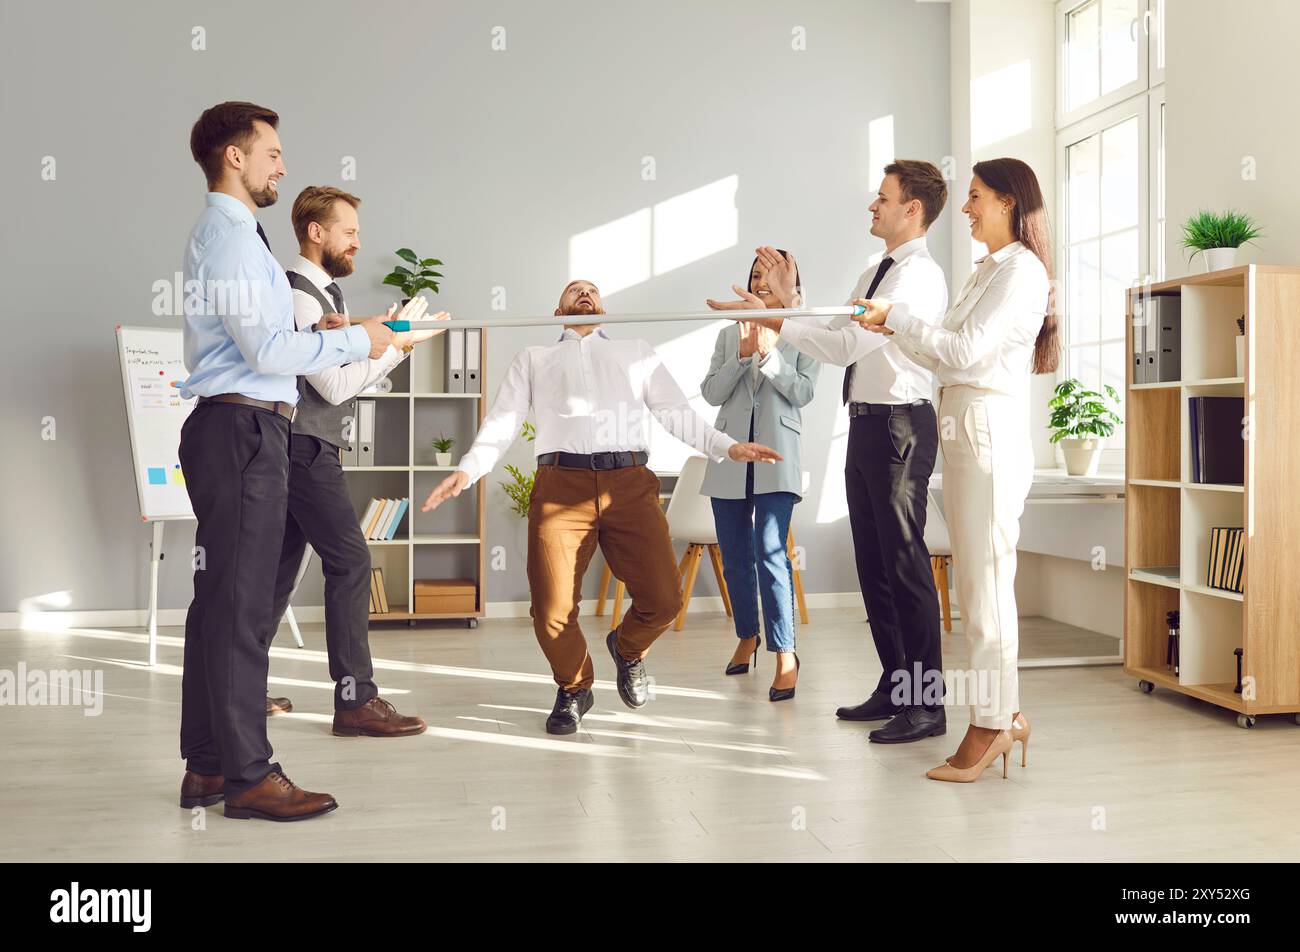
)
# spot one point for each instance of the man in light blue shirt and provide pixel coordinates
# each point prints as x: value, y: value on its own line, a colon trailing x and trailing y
x: 243, y: 353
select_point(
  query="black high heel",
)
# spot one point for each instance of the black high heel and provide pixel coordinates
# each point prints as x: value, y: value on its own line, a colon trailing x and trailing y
x: 743, y: 667
x: 784, y: 694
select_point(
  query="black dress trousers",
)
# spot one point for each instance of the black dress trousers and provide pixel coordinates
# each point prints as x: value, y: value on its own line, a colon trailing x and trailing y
x: 887, y: 473
x: 236, y: 464
x: 321, y: 514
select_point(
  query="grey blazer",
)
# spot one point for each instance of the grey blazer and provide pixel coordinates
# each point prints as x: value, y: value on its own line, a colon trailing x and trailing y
x: 785, y: 383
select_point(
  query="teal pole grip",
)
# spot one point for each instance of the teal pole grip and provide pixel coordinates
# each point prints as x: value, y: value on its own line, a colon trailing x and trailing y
x: 398, y: 326
x: 859, y: 310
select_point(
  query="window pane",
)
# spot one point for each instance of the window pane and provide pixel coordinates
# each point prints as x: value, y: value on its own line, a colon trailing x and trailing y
x: 1119, y: 270
x: 1120, y: 171
x: 1087, y: 365
x: 1121, y: 28
x: 1083, y: 162
x: 1113, y: 365
x: 1083, y: 313
x: 1083, y: 34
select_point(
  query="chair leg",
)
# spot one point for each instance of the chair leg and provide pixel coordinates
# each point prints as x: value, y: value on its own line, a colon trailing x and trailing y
x: 715, y: 556
x: 943, y: 592
x: 618, y: 603
x: 799, y: 596
x: 605, y: 575
x: 692, y: 560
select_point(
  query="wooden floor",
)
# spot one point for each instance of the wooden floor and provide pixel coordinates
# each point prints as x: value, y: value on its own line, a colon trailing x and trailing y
x: 709, y: 770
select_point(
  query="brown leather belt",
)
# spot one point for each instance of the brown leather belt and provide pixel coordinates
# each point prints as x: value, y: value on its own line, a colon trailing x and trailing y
x: 286, y: 410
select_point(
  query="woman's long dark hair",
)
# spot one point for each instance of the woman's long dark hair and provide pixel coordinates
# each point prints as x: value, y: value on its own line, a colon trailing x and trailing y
x: 1016, y: 180
x: 749, y: 283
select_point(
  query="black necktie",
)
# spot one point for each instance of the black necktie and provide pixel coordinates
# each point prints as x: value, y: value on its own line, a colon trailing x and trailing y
x: 261, y: 234
x: 336, y: 295
x: 885, y: 264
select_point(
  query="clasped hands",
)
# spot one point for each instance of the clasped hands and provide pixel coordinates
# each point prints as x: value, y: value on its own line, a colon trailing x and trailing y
x: 381, y: 336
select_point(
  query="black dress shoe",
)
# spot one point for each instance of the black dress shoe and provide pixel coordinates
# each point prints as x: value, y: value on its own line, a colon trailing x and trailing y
x: 567, y: 713
x: 913, y: 723
x: 878, y: 707
x: 633, y: 685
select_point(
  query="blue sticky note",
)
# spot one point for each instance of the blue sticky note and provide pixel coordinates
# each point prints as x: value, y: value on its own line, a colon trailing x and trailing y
x: 157, y: 476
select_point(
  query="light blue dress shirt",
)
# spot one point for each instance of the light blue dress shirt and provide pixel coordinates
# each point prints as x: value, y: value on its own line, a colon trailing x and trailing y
x: 240, y: 335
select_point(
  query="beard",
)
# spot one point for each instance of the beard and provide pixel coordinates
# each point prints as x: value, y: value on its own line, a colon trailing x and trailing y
x: 575, y: 311
x: 336, y: 265
x: 263, y: 197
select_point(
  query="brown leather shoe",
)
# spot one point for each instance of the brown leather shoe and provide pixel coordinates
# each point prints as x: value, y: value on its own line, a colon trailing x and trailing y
x: 377, y: 718
x: 278, y: 705
x: 278, y: 798
x: 201, y: 790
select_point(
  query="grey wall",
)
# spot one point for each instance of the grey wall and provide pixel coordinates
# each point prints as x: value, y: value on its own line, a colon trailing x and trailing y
x: 489, y: 159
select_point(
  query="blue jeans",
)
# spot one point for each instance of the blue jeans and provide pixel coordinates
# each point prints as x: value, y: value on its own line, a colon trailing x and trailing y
x: 752, y: 533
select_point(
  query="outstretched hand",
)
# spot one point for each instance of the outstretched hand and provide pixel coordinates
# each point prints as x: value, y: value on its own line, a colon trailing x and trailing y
x: 453, y: 485
x: 754, y: 453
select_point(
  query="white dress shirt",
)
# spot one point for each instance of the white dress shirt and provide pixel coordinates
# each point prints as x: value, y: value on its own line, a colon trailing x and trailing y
x: 987, y: 339
x: 591, y: 395
x: 336, y: 384
x: 884, y: 374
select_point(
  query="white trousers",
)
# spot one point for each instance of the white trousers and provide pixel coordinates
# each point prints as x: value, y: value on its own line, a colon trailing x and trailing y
x: 988, y: 467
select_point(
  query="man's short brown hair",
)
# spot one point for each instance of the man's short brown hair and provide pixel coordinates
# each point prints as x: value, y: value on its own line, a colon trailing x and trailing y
x: 315, y: 203
x: 922, y: 181
x: 227, y: 123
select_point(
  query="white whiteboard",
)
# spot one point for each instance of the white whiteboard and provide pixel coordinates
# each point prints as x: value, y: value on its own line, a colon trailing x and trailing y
x: 153, y: 368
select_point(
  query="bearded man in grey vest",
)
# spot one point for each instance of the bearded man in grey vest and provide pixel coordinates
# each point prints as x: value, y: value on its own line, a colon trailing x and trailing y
x: 320, y: 511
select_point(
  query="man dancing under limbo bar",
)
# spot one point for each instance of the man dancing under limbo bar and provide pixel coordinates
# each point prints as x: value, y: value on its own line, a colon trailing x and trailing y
x: 591, y: 394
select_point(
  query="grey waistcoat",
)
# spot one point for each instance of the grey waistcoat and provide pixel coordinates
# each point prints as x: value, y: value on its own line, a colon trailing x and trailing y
x: 317, y: 416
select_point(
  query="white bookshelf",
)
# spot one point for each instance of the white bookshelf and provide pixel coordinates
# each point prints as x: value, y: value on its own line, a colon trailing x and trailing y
x: 449, y: 542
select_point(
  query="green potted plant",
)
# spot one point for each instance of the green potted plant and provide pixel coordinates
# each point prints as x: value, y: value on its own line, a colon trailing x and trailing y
x: 419, y: 276
x: 1081, y: 420
x: 520, y: 490
x: 1217, y: 236
x: 442, y: 450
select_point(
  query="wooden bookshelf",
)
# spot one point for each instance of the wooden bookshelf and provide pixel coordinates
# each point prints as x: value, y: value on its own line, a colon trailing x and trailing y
x: 450, y: 542
x: 1168, y: 517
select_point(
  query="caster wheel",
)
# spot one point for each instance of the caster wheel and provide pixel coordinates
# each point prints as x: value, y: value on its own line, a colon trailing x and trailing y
x: 1297, y: 718
x: 472, y: 622
x: 1246, y: 721
x: 1146, y: 686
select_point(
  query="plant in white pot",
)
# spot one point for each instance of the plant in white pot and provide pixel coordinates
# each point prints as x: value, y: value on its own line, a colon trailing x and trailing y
x: 1217, y: 236
x: 1081, y: 420
x: 442, y: 450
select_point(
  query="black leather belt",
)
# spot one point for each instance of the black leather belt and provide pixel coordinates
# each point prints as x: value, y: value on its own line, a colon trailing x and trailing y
x: 619, y: 460
x: 883, y: 409
x: 286, y: 410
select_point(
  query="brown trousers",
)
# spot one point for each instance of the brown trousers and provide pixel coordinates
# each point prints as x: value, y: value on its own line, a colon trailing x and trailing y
x: 572, y: 511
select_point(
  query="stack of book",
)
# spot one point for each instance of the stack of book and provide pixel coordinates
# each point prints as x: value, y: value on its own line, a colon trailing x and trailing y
x: 382, y: 518
x: 1215, y: 427
x: 378, y: 594
x: 1227, y: 558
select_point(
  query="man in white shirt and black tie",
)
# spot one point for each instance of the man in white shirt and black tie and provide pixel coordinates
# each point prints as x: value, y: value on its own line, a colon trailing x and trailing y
x: 893, y: 443
x: 593, y: 397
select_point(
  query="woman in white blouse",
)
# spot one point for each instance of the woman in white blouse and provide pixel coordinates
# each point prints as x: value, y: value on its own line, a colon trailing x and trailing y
x: 1001, y: 329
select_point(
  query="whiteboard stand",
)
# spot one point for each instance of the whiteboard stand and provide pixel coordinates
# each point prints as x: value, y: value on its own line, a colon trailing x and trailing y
x: 288, y: 612
x: 156, y: 557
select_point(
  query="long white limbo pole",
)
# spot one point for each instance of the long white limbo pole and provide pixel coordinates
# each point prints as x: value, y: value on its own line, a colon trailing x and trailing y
x: 651, y: 318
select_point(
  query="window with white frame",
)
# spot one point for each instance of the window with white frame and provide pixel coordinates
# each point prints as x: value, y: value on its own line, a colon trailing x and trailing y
x: 1110, y: 167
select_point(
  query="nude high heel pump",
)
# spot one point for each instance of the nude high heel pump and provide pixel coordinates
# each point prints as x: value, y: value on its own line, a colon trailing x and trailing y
x: 1020, y: 732
x: 1000, y: 746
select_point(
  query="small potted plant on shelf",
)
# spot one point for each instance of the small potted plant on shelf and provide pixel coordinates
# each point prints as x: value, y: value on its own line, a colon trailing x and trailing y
x: 1217, y: 236
x: 419, y: 276
x: 1081, y: 420
x: 442, y: 450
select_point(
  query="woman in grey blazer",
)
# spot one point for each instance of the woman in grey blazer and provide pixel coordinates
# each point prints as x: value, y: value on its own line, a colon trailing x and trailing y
x: 760, y: 382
